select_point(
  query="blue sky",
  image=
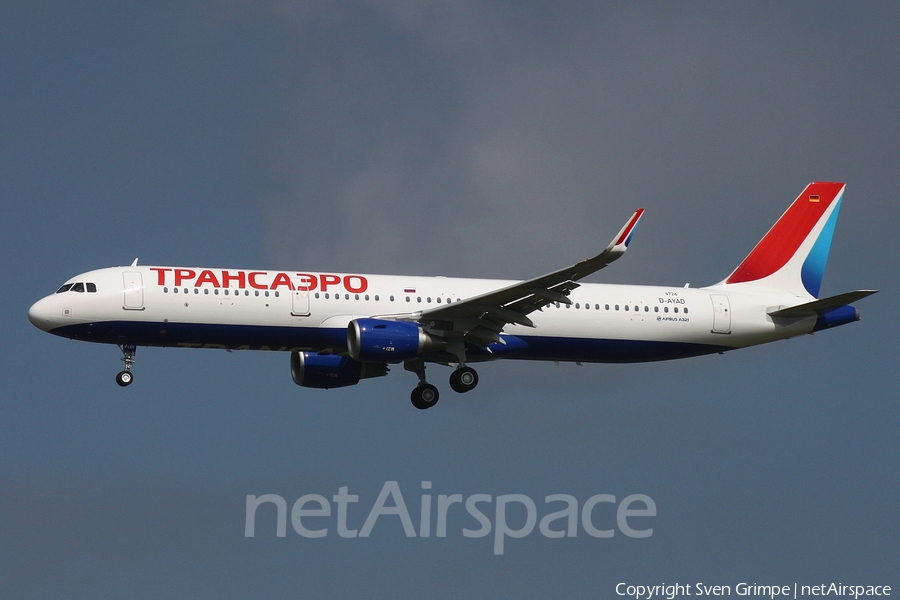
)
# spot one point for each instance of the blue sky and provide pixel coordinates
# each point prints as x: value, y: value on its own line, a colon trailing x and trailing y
x: 463, y: 139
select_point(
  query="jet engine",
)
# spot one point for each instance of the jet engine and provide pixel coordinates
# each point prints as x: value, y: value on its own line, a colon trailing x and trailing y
x: 377, y: 340
x: 324, y: 371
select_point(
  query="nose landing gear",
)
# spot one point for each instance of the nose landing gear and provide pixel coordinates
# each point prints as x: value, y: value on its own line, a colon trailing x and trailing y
x: 126, y: 377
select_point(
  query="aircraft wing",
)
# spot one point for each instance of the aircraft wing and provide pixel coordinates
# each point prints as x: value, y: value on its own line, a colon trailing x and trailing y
x: 483, y: 317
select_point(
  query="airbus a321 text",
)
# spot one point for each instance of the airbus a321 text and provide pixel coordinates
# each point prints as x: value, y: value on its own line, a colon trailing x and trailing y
x: 340, y: 328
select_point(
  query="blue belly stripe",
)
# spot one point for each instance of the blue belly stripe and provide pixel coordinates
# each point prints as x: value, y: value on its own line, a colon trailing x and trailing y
x: 256, y: 337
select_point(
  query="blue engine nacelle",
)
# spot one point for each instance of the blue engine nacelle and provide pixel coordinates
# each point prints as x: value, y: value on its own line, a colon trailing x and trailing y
x: 324, y: 371
x: 377, y: 340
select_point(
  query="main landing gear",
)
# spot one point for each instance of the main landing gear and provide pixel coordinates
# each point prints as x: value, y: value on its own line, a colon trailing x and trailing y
x: 125, y: 377
x: 463, y: 379
x: 426, y: 395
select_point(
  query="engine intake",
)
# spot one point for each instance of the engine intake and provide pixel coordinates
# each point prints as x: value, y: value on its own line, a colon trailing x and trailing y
x: 325, y: 371
x: 377, y: 340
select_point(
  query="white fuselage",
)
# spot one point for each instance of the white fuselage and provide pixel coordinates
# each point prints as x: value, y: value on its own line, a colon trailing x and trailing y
x: 272, y: 310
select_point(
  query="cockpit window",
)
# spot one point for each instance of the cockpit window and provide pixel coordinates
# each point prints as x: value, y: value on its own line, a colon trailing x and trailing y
x: 91, y: 288
x: 78, y: 287
x: 64, y: 288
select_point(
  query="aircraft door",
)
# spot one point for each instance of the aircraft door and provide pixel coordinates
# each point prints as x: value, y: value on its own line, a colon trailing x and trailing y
x: 721, y: 314
x: 300, y: 306
x: 133, y: 285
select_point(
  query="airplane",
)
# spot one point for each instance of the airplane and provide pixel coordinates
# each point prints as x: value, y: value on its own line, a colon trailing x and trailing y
x: 340, y: 328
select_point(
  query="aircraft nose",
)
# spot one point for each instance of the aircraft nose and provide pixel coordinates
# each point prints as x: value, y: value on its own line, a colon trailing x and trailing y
x: 40, y: 314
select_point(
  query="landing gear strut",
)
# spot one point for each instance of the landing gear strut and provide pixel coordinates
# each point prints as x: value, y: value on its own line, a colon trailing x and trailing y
x: 125, y: 377
x: 425, y: 395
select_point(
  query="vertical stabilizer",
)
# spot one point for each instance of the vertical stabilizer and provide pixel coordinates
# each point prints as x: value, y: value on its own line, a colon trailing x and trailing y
x: 792, y: 255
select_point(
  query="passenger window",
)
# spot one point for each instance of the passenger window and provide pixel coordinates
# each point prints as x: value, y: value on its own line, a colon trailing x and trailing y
x: 578, y: 305
x: 626, y: 307
x: 646, y: 309
x: 655, y: 309
x: 685, y: 310
x: 78, y: 287
x: 666, y: 309
x: 91, y: 288
x: 206, y: 291
x: 676, y: 309
x: 376, y: 298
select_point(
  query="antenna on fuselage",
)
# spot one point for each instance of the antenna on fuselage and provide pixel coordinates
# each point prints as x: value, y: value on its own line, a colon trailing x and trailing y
x: 134, y: 264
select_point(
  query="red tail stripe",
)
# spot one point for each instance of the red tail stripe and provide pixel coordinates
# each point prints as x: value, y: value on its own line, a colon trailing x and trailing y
x: 785, y: 237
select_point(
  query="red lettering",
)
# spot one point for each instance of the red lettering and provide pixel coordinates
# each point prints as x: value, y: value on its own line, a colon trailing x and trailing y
x: 358, y: 289
x: 281, y: 279
x: 307, y: 282
x: 207, y: 277
x: 181, y: 274
x: 329, y: 280
x: 227, y: 278
x: 356, y: 284
x: 251, y: 277
x: 161, y: 274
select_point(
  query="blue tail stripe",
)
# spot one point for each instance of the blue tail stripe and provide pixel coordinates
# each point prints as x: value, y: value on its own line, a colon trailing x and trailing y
x: 814, y: 266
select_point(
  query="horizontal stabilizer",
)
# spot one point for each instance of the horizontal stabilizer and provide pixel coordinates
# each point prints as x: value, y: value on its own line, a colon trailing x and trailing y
x: 819, y: 307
